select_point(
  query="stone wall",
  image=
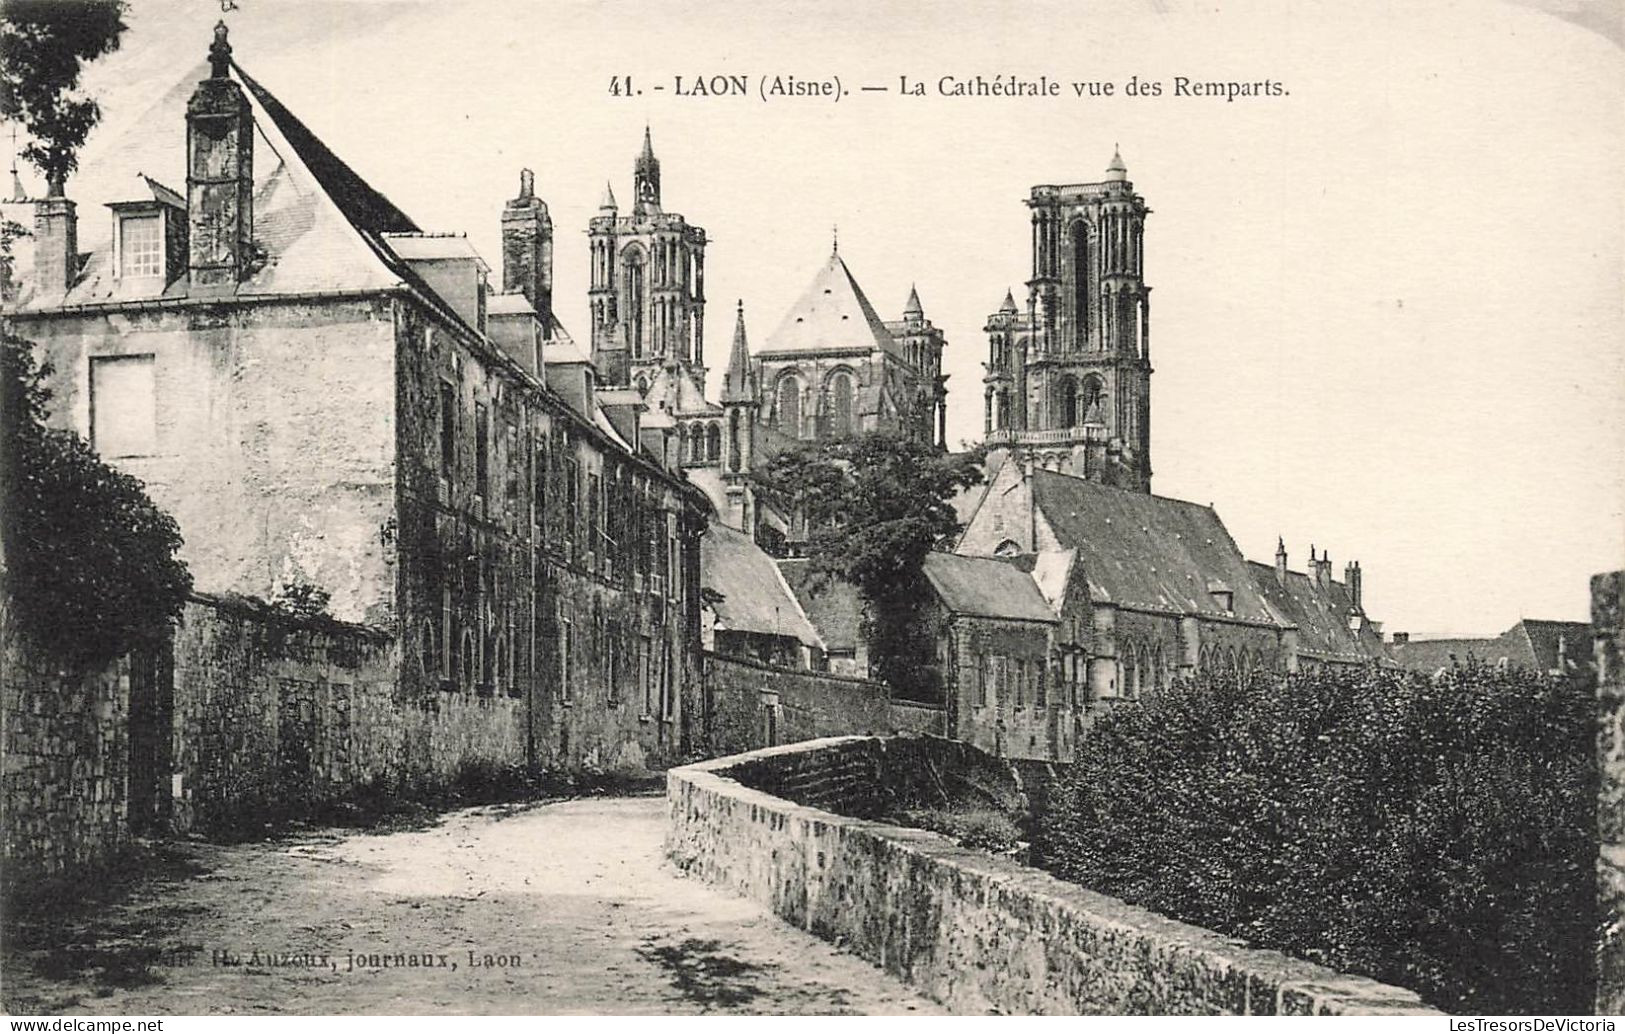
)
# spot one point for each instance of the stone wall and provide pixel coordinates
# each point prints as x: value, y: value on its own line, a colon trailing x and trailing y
x: 975, y: 932
x: 66, y: 748
x: 749, y: 705
x: 1608, y: 628
x: 274, y: 717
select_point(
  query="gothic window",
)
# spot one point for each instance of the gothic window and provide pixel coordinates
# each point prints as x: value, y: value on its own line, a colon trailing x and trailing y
x: 1090, y: 397
x: 632, y: 266
x: 789, y: 405
x: 733, y: 441
x: 713, y: 442
x: 1082, y: 281
x: 696, y: 443
x: 839, y: 391
x: 1066, y: 403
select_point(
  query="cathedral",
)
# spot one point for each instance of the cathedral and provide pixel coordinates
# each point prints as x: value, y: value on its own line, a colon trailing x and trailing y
x: 831, y: 369
x: 1068, y: 380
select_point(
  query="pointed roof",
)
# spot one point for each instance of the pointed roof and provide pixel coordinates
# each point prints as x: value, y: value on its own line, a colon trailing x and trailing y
x: 1009, y: 302
x: 1147, y: 551
x: 833, y: 314
x: 608, y: 200
x: 736, y: 385
x: 321, y: 225
x: 648, y: 152
x: 913, y: 307
x: 1116, y: 170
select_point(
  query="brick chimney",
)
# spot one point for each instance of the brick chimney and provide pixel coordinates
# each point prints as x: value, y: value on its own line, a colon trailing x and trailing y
x: 219, y: 174
x: 56, y: 242
x: 527, y: 249
x: 1351, y: 578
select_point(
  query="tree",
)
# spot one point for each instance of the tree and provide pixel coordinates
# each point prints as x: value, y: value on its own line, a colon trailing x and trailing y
x: 874, y: 506
x: 89, y: 560
x: 1436, y: 834
x: 44, y: 45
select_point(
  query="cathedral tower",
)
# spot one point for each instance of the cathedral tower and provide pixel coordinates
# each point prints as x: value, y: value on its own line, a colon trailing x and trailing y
x: 647, y: 291
x: 1068, y: 382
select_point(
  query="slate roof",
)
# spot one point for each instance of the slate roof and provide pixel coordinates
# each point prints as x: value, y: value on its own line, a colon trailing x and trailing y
x: 1530, y: 643
x: 986, y: 587
x: 833, y: 606
x: 320, y: 224
x: 675, y: 390
x: 755, y: 596
x: 1320, y: 614
x: 833, y: 313
x: 1146, y: 551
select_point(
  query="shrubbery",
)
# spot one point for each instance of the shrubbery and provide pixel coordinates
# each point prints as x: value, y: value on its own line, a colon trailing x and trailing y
x: 90, y: 561
x: 1435, y: 835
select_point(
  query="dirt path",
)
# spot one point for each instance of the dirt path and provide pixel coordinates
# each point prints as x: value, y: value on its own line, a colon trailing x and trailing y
x: 556, y: 908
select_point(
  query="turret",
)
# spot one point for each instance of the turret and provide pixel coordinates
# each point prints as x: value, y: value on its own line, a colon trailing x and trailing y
x: 646, y: 178
x: 219, y: 174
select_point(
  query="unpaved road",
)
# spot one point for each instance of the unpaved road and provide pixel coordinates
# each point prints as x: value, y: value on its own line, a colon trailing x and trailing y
x: 552, y: 908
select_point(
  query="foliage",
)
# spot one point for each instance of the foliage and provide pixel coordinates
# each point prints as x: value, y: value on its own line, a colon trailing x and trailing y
x: 44, y: 45
x: 985, y: 829
x: 874, y: 506
x: 301, y: 600
x: 89, y: 559
x: 1436, y: 835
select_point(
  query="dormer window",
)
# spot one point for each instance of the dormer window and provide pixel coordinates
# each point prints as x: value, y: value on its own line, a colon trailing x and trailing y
x: 149, y: 236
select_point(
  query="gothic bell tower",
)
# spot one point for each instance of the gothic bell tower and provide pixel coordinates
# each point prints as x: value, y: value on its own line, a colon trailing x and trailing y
x: 1068, y: 382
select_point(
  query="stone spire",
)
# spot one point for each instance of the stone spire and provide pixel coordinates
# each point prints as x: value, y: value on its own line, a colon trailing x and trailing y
x: 646, y: 175
x: 607, y: 204
x: 1116, y: 170
x: 913, y: 310
x: 1009, y: 302
x: 737, y: 385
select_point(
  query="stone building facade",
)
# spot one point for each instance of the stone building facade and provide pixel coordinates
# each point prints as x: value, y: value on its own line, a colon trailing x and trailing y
x: 325, y: 395
x: 1068, y: 380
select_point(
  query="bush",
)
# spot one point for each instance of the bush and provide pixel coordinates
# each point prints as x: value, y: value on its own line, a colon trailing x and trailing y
x: 982, y: 828
x: 90, y: 561
x: 1436, y: 835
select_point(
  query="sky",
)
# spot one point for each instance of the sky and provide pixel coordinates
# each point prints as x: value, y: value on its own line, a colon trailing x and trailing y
x: 1388, y: 316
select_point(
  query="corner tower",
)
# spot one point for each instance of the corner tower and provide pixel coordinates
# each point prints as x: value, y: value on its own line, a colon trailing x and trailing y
x: 1068, y: 381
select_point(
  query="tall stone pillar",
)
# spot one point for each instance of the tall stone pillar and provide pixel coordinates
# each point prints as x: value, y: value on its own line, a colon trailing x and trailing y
x: 219, y: 173
x: 1608, y: 629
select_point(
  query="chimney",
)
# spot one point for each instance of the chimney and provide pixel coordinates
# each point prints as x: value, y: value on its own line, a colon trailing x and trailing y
x: 1401, y: 638
x: 1280, y: 560
x: 56, y: 243
x: 219, y: 174
x: 527, y: 249
x: 1351, y: 578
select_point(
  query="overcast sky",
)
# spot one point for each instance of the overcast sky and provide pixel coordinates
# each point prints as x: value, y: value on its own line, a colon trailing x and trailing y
x: 1387, y: 308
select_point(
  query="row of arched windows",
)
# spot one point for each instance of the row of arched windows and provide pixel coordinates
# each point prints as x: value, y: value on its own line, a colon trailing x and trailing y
x: 790, y: 403
x: 702, y: 443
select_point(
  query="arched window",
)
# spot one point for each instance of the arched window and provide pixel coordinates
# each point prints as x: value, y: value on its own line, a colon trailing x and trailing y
x: 1066, y: 403
x: 838, y: 391
x: 632, y: 278
x: 733, y: 441
x: 789, y: 405
x: 1082, y: 281
x: 713, y: 442
x: 1091, y: 397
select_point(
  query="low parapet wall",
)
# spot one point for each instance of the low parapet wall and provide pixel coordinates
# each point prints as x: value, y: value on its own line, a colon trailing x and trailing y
x: 975, y: 932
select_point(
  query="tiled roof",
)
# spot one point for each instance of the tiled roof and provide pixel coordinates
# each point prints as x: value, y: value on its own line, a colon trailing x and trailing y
x: 833, y: 606
x: 1320, y: 614
x: 754, y: 596
x: 986, y: 587
x: 319, y: 224
x: 833, y: 313
x: 1530, y: 643
x: 1146, y: 551
x: 1544, y: 638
